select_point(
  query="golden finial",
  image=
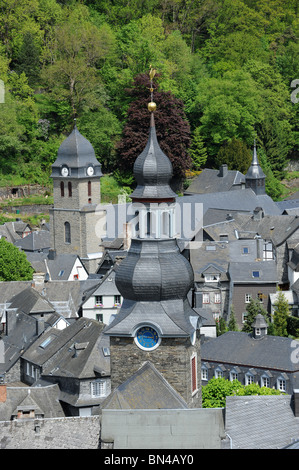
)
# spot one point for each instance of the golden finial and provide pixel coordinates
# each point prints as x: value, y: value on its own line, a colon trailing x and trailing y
x: 152, y: 106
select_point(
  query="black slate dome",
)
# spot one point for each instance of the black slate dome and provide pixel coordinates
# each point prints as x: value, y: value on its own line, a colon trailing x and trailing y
x: 152, y: 170
x: 77, y: 153
x: 154, y: 271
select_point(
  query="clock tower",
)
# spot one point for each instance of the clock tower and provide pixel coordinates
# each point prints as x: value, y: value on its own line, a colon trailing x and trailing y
x: 156, y: 323
x: 76, y: 177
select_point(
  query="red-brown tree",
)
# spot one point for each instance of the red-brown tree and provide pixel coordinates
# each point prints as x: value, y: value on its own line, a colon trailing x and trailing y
x: 172, y: 128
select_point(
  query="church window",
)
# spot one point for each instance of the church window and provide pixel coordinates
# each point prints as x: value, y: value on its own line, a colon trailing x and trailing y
x: 67, y: 232
x: 89, y: 188
x: 70, y: 188
x: 62, y: 189
x: 193, y: 374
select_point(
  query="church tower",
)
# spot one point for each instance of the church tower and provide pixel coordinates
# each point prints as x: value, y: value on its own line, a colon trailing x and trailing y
x: 156, y: 322
x: 76, y: 177
x: 255, y: 177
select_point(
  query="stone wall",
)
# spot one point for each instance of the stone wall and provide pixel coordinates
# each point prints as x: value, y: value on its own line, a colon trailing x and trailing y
x: 172, y: 359
x: 56, y: 433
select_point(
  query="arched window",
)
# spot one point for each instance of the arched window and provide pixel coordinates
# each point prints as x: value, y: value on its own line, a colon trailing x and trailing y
x: 67, y: 232
x: 70, y: 188
x: 89, y: 188
x: 62, y: 188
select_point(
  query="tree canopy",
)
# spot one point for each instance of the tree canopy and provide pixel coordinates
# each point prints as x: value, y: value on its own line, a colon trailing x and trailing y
x: 227, y: 66
x: 14, y: 265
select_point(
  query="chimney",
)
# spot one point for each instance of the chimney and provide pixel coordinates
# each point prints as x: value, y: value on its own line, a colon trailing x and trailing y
x: 52, y: 254
x: 3, y: 393
x: 258, y: 213
x: 296, y: 402
x: 223, y: 170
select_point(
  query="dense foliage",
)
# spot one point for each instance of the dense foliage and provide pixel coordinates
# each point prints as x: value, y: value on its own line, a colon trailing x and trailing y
x: 14, y: 265
x: 231, y: 64
x: 215, y: 392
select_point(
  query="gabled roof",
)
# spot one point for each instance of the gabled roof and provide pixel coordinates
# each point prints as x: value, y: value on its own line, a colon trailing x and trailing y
x: 31, y: 302
x: 239, y: 348
x: 36, y: 241
x: 277, y: 228
x: 22, y: 332
x: 211, y: 181
x: 145, y: 389
x: 74, y: 352
x: 42, y: 399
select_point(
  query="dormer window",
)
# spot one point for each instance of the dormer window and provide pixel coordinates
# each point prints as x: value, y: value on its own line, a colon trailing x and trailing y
x: 212, y: 277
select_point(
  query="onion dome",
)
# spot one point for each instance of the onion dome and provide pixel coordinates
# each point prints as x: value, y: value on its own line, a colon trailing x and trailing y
x: 77, y: 154
x: 152, y: 171
x: 154, y: 271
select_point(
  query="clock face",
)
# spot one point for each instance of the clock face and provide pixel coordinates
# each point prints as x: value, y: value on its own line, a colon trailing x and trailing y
x: 147, y: 338
x: 90, y: 171
x: 64, y: 171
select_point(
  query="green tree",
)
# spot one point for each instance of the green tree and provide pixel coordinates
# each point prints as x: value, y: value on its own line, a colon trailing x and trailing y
x: 217, y: 389
x: 221, y: 327
x: 252, y: 310
x: 281, y: 314
x: 232, y: 323
x: 197, y: 150
x: 14, y: 265
x: 235, y: 154
x: 77, y: 48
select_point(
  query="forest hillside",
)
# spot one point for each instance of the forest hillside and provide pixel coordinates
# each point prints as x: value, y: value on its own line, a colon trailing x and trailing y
x: 229, y: 66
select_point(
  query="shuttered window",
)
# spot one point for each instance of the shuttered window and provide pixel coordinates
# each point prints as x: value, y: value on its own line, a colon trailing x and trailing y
x: 193, y: 374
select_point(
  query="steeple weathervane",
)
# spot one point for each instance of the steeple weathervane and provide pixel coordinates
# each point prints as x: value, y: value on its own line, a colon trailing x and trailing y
x: 152, y: 105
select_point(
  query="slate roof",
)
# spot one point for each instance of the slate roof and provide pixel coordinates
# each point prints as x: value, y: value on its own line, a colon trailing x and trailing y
x: 152, y: 170
x: 76, y: 152
x: 106, y: 285
x: 294, y: 262
x: 41, y: 399
x: 242, y: 200
x: 211, y: 181
x: 201, y: 259
x: 22, y: 333
x: 240, y: 348
x: 154, y: 270
x: 145, y: 389
x: 77, y: 349
x: 171, y: 318
x: 31, y: 302
x: 13, y: 231
x: 241, y: 272
x: 260, y: 422
x: 38, y: 240
x: 276, y: 228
